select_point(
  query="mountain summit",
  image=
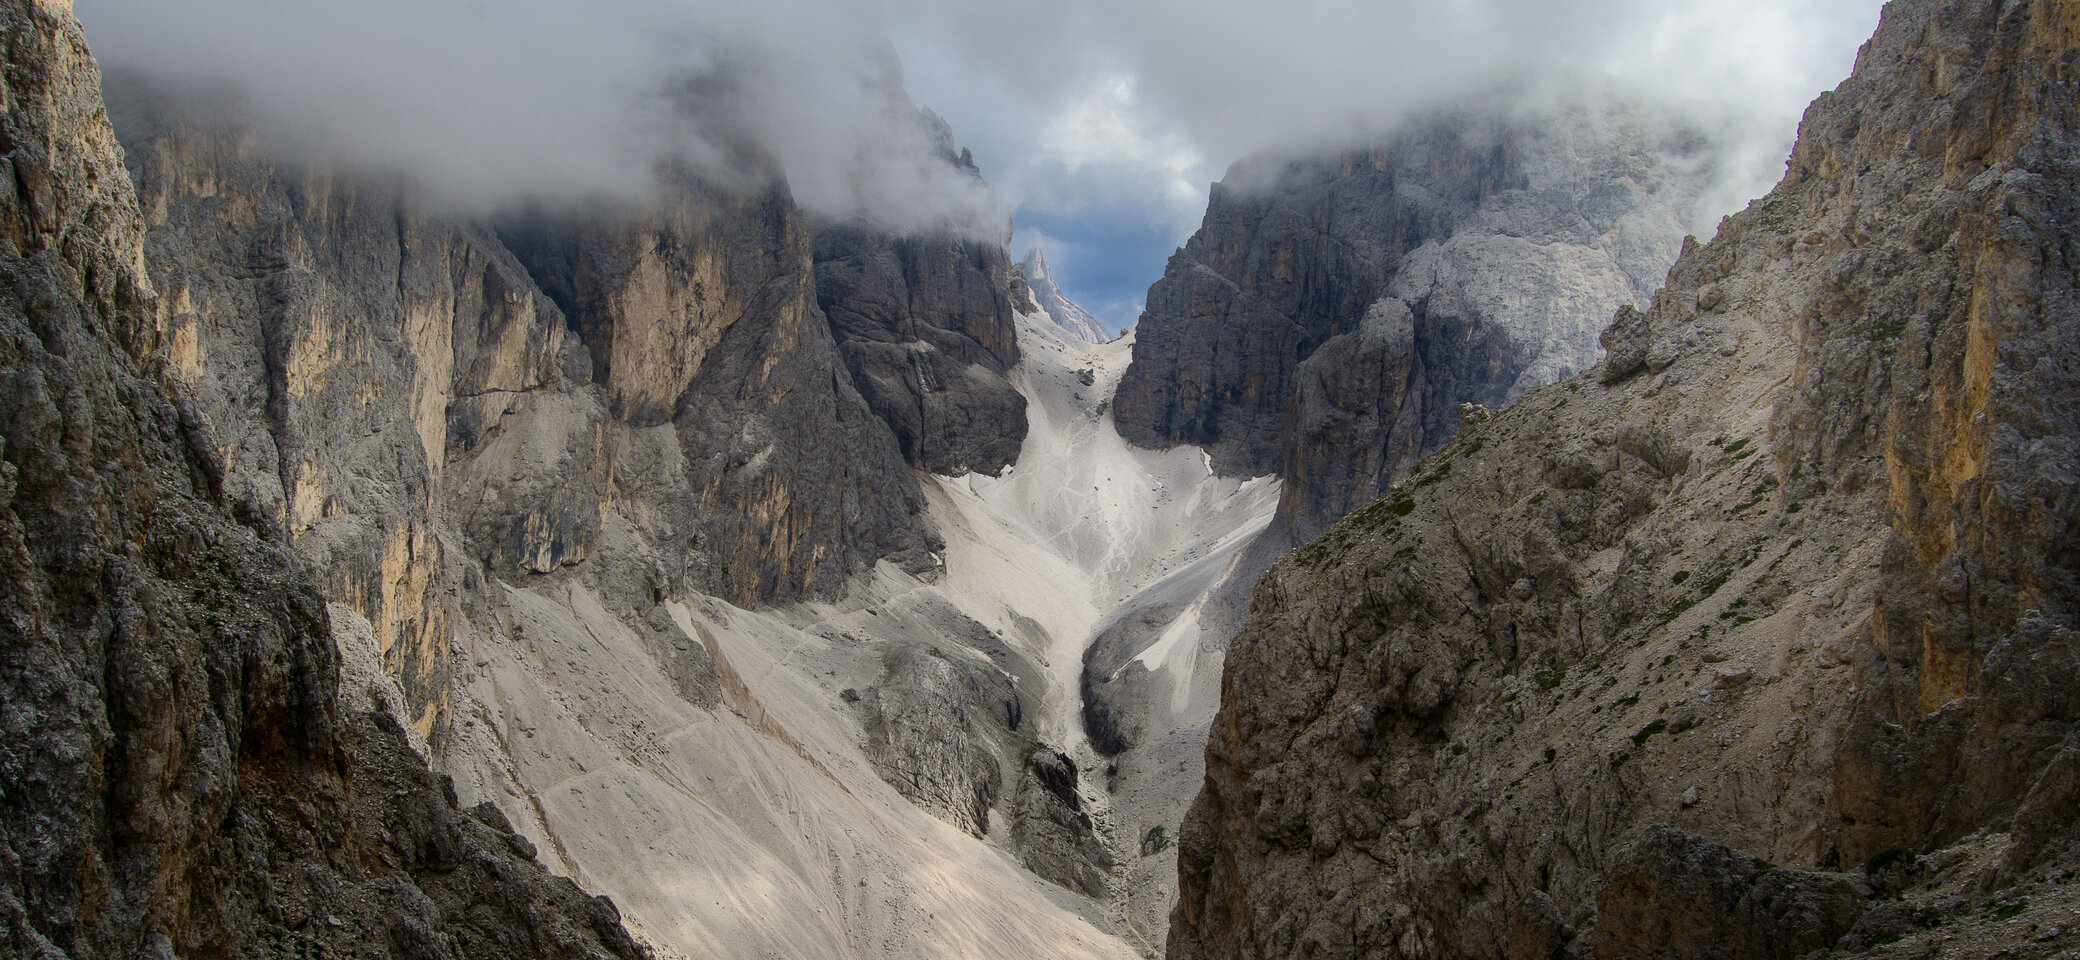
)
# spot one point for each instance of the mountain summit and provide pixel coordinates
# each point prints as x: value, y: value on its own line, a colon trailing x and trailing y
x: 1058, y: 307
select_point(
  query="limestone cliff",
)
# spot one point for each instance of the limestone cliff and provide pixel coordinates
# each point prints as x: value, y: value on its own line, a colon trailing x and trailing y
x: 925, y: 326
x: 1334, y: 310
x: 544, y: 461
x: 417, y: 398
x: 1048, y: 297
x: 181, y: 777
x: 1789, y: 579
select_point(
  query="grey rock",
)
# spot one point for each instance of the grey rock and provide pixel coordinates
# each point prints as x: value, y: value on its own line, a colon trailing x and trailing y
x: 1039, y: 279
x: 1516, y: 629
x: 925, y: 326
x: 1333, y: 312
x: 1672, y: 893
x: 935, y: 728
x: 181, y: 779
x: 1055, y: 836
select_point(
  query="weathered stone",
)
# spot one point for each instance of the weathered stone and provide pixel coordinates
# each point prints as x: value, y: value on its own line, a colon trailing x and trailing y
x: 1851, y: 474
x: 925, y: 327
x: 1675, y: 894
x: 181, y: 778
x: 1048, y: 297
x: 1331, y: 315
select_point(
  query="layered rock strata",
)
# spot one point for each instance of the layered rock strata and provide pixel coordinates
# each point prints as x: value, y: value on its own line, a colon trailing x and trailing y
x: 181, y: 777
x: 1787, y: 580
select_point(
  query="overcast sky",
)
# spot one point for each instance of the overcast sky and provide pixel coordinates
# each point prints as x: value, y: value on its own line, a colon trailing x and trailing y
x: 1100, y: 123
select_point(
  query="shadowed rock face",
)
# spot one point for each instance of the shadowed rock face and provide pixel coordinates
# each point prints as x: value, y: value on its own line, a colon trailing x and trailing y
x: 1332, y: 313
x: 181, y: 778
x: 925, y: 327
x: 412, y: 398
x: 1792, y: 573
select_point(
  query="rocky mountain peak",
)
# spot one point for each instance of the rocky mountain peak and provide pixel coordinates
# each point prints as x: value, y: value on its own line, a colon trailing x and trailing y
x: 1058, y: 307
x: 1335, y: 309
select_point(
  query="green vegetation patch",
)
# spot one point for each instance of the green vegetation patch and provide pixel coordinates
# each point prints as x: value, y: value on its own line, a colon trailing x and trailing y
x: 1647, y: 732
x: 1436, y: 476
x: 1548, y: 679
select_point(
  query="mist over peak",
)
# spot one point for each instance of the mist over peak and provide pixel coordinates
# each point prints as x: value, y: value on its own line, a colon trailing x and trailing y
x: 485, y: 106
x: 1099, y: 124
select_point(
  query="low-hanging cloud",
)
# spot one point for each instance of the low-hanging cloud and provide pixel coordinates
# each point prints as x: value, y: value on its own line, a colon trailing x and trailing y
x: 1198, y: 85
x: 1105, y: 108
x: 486, y: 103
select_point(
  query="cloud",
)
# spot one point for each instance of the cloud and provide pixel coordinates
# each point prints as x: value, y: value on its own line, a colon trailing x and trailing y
x: 486, y: 103
x: 1121, y: 110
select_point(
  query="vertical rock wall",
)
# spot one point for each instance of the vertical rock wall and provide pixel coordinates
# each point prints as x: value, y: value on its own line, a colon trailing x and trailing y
x: 1332, y: 312
x: 1757, y: 641
x: 181, y: 779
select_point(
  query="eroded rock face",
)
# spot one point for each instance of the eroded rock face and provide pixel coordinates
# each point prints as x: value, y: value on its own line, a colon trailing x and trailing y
x: 1791, y: 573
x: 460, y: 421
x: 413, y: 397
x: 759, y: 470
x: 182, y: 780
x: 1332, y: 313
x: 925, y: 326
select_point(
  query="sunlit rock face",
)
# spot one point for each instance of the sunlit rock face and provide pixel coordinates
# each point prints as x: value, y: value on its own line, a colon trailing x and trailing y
x: 1049, y: 299
x: 1756, y: 639
x: 1335, y: 309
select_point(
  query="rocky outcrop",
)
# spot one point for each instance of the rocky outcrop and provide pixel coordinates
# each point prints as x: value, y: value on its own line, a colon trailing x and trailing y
x: 1333, y: 311
x: 181, y: 778
x: 759, y: 471
x: 1049, y: 298
x: 925, y: 326
x: 1791, y: 573
x: 1053, y: 830
x: 415, y: 398
x: 935, y: 728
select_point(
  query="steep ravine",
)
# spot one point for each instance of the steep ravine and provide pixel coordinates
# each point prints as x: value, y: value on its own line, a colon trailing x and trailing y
x: 834, y: 727
x: 1757, y: 640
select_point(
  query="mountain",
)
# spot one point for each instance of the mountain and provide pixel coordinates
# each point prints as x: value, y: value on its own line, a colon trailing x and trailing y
x: 1063, y: 311
x: 183, y: 778
x: 1336, y: 307
x: 1756, y: 640
x: 586, y: 486
x: 1459, y: 258
x: 391, y: 578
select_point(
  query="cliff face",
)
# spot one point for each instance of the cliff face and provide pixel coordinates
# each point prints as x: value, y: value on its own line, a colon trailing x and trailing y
x: 415, y: 397
x: 925, y: 326
x: 1332, y: 312
x: 545, y: 464
x: 182, y: 780
x: 1788, y: 579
